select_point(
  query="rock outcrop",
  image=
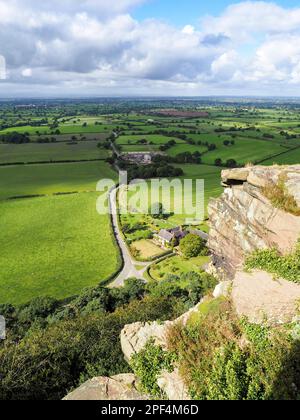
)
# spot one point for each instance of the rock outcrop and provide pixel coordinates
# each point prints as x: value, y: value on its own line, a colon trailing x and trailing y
x: 134, y: 337
x: 120, y: 387
x: 243, y: 219
x: 262, y: 299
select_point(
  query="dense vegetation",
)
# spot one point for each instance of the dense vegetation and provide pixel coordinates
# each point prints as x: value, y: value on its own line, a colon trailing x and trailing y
x: 222, y: 357
x: 81, y: 338
x: 270, y: 260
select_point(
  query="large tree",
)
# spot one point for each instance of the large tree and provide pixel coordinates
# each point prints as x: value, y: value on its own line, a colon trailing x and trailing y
x: 192, y: 246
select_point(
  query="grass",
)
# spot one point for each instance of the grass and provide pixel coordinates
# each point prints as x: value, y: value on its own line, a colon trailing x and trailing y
x: 139, y: 148
x: 177, y: 266
x: 147, y: 250
x: 243, y: 151
x: 292, y: 157
x: 52, y: 178
x: 33, y: 152
x: 281, y: 266
x: 212, y: 188
x: 279, y: 196
x: 53, y: 246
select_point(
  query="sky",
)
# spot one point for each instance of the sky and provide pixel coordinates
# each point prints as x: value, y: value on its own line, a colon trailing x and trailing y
x: 75, y: 48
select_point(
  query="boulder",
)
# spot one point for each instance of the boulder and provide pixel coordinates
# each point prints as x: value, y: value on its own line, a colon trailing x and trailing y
x: 134, y: 337
x: 222, y: 289
x: 173, y: 386
x: 261, y: 298
x: 120, y: 387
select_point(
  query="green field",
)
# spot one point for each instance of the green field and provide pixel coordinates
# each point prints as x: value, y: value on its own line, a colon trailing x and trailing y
x: 289, y: 158
x: 243, y: 151
x: 33, y: 152
x: 177, y: 266
x: 52, y: 178
x: 57, y: 245
x: 212, y: 188
x: 53, y: 246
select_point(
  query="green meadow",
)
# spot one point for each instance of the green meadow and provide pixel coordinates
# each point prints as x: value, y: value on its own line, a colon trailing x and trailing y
x: 289, y: 158
x: 53, y: 246
x: 52, y: 178
x: 38, y: 152
x: 243, y: 151
x: 212, y: 189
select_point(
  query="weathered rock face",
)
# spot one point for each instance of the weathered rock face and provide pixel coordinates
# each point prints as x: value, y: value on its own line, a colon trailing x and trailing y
x: 134, y: 337
x: 120, y: 387
x: 262, y: 299
x: 243, y: 219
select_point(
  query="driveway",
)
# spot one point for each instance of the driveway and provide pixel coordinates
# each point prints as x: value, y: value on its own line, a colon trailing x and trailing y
x: 129, y: 269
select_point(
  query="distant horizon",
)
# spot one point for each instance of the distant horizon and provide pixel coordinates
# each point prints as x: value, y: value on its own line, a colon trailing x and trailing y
x: 153, y: 97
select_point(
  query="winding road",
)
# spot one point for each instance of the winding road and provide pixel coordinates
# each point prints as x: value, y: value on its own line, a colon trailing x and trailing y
x: 129, y: 269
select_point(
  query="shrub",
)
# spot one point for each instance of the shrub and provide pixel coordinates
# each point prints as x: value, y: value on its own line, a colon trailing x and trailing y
x: 148, y: 365
x: 285, y: 266
x: 222, y: 358
x: 280, y: 197
x: 50, y: 361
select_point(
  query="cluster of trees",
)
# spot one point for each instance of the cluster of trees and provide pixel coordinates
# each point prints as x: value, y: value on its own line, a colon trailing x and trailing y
x: 230, y: 163
x: 167, y: 146
x: 14, y: 138
x: 192, y: 246
x: 229, y: 142
x: 46, y: 351
x: 156, y: 170
x: 184, y: 157
x: 188, y: 157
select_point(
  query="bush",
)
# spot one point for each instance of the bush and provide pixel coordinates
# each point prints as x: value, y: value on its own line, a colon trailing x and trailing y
x: 192, y: 246
x: 285, y: 266
x: 148, y: 365
x: 280, y: 197
x: 222, y: 358
x: 50, y: 361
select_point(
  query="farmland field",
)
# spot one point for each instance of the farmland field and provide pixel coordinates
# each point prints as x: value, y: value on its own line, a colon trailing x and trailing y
x: 288, y: 158
x: 243, y: 151
x: 57, y: 245
x: 52, y: 178
x: 211, y: 177
x: 53, y: 246
x: 33, y: 152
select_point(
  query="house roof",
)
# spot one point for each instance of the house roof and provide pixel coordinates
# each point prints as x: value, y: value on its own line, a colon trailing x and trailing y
x: 166, y: 235
x: 200, y: 233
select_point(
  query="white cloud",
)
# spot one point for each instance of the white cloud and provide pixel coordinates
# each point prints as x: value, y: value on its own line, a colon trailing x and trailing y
x: 188, y: 29
x: 27, y: 72
x: 92, y: 45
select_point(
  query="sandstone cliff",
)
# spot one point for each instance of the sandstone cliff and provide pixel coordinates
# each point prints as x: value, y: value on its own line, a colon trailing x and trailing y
x: 243, y: 219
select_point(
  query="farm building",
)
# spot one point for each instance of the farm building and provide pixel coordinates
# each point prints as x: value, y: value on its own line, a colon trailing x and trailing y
x: 168, y: 237
x: 200, y: 233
